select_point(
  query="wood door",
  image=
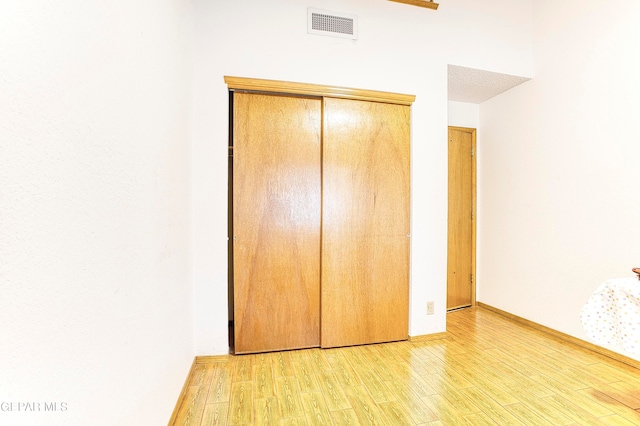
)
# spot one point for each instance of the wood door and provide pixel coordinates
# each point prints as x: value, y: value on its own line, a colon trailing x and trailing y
x: 276, y: 222
x: 461, y: 228
x: 365, y: 223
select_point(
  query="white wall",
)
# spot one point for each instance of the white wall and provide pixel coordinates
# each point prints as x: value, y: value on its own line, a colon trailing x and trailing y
x: 96, y: 300
x: 463, y: 114
x: 558, y: 166
x: 401, y: 49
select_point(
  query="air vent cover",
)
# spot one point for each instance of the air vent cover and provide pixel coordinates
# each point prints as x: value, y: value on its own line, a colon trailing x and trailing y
x: 332, y: 24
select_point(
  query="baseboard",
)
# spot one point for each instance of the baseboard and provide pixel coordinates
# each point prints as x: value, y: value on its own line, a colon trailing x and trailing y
x: 565, y: 337
x: 425, y: 337
x: 211, y: 358
x: 182, y: 393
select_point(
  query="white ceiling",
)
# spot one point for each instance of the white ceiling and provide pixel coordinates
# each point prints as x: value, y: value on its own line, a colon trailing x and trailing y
x: 476, y: 86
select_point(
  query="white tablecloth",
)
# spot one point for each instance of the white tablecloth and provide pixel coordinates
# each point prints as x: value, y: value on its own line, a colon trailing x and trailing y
x: 611, y: 316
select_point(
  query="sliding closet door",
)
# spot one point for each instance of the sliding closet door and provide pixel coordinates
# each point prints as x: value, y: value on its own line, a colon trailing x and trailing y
x: 276, y: 222
x: 365, y: 223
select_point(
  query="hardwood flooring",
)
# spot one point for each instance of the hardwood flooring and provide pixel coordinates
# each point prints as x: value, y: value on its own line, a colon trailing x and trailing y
x: 489, y: 370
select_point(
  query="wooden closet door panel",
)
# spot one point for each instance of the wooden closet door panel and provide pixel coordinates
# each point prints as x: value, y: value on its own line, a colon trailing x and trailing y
x: 276, y: 222
x: 365, y: 222
x: 460, y: 223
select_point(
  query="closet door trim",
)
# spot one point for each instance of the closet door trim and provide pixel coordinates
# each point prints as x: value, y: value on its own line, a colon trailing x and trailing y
x: 292, y: 88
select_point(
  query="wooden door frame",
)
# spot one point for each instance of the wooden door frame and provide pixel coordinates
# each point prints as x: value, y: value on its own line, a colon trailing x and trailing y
x: 473, y: 132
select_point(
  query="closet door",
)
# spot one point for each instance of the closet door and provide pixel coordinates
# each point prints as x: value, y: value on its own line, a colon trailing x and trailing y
x: 276, y: 222
x: 365, y: 222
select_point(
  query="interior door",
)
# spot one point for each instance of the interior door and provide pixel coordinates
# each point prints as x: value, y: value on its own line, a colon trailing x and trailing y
x: 276, y: 222
x: 365, y: 222
x: 461, y: 228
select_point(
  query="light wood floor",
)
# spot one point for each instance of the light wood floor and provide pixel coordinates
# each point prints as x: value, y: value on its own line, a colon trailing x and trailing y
x: 489, y: 370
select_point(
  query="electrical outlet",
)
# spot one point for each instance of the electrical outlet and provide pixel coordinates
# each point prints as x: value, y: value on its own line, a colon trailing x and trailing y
x: 429, y: 308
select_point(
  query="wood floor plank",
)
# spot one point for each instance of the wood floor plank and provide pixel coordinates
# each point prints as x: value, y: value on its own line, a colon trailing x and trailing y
x: 488, y: 369
x: 293, y: 421
x: 190, y: 411
x: 220, y: 386
x: 426, y: 366
x: 554, y: 369
x: 419, y: 385
x: 496, y: 355
x: 617, y: 420
x: 518, y: 384
x: 490, y: 387
x: 319, y: 360
x: 345, y: 417
x: 589, y: 401
x: 305, y: 375
x: 242, y: 368
x: 316, y: 412
x: 631, y: 415
x: 487, y: 404
x: 479, y: 419
x: 344, y: 372
x: 413, y: 404
x: 610, y: 373
x: 548, y: 412
x: 623, y: 392
x: 571, y: 410
x: 333, y: 392
x: 473, y: 360
x: 589, y: 379
x: 266, y: 411
x: 374, y: 385
x: 527, y: 416
x: 288, y: 397
x: 396, y: 413
x: 263, y: 358
x: 616, y: 406
x: 399, y: 352
x: 533, y: 366
x: 202, y: 374
x: 241, y: 405
x: 380, y: 365
x: 215, y: 414
x: 447, y: 413
x: 458, y: 399
x: 367, y: 411
x: 298, y: 355
x: 263, y: 381
x: 282, y: 364
x: 456, y: 378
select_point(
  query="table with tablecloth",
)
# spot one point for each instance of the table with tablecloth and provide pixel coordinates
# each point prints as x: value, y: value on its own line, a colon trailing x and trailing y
x: 611, y: 316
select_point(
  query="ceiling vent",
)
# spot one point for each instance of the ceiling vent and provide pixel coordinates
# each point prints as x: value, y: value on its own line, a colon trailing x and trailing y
x: 332, y: 24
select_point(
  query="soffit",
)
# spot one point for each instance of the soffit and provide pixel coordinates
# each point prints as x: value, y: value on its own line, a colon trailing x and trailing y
x: 475, y: 86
